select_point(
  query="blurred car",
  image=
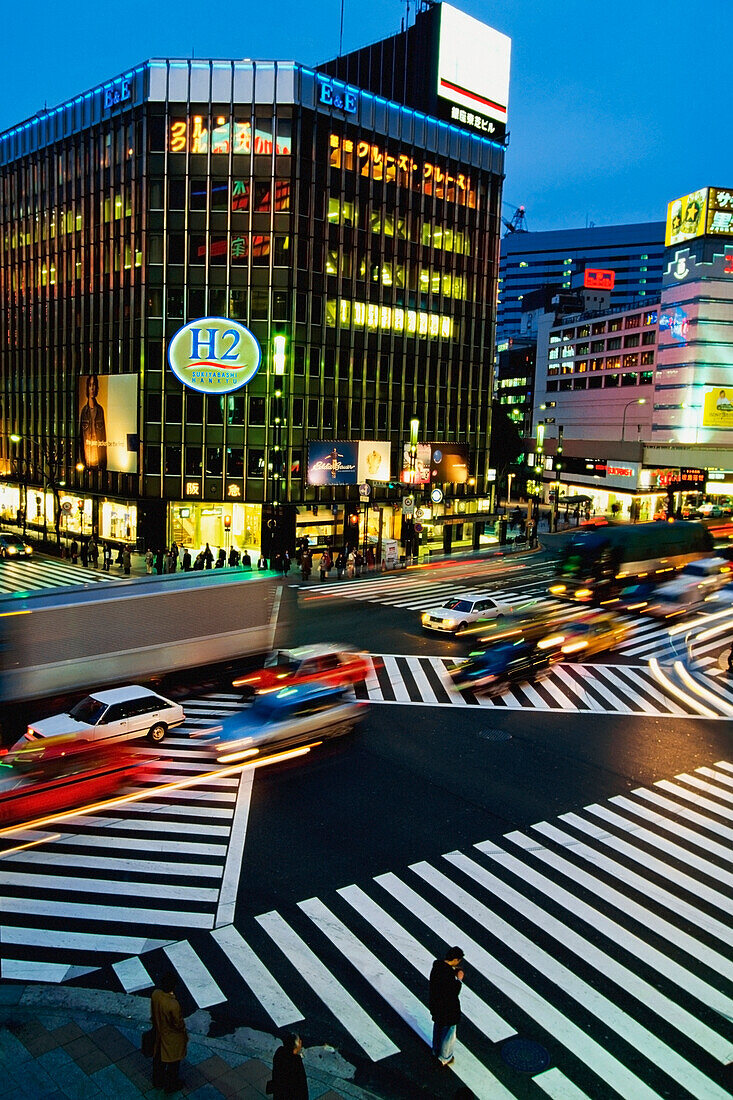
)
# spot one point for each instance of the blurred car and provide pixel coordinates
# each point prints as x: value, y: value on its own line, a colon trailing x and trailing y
x: 62, y: 773
x: 332, y: 665
x: 593, y: 634
x: 697, y: 583
x: 107, y: 716
x: 710, y: 511
x: 11, y: 546
x: 538, y: 625
x: 292, y: 716
x: 495, y: 669
x: 461, y: 611
x: 633, y: 598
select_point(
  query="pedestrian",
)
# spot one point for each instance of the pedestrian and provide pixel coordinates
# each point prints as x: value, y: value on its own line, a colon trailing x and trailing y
x: 370, y: 559
x: 340, y: 565
x: 118, y: 559
x: 358, y: 562
x: 324, y: 566
x: 350, y: 564
x: 107, y: 556
x: 306, y: 564
x: 74, y: 552
x: 233, y: 557
x: 446, y: 978
x: 285, y: 564
x: 208, y: 557
x: 159, y: 562
x: 171, y: 1036
x: 246, y: 560
x: 199, y: 563
x: 221, y: 559
x: 262, y: 562
x: 730, y: 661
x: 84, y: 553
x: 126, y: 561
x: 288, y: 1072
x: 174, y: 552
x: 186, y: 562
x: 149, y: 559
x: 170, y: 563
x: 93, y: 553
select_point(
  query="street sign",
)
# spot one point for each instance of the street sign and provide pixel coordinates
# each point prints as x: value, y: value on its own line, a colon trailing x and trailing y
x: 417, y: 528
x: 419, y: 513
x: 363, y: 499
x: 66, y: 506
x: 365, y: 490
x: 436, y: 496
x: 408, y: 506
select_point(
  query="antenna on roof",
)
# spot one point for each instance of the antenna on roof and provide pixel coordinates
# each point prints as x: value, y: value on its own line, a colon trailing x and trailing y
x: 341, y: 30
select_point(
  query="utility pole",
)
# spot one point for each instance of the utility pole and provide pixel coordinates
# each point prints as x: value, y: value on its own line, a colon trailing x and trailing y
x: 558, y: 469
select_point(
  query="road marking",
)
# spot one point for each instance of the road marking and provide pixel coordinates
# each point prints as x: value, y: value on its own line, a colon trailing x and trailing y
x: 619, y: 1078
x: 625, y: 978
x: 61, y: 940
x: 556, y: 1085
x: 132, y: 975
x: 192, y: 971
x: 235, y: 852
x: 349, y: 1012
x: 255, y: 974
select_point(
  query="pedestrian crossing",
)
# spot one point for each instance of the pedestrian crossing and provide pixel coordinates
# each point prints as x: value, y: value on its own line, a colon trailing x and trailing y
x: 40, y: 574
x: 604, y: 935
x: 112, y: 884
x: 568, y: 688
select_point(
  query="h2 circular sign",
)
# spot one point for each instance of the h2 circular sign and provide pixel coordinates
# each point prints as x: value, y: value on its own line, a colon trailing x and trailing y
x: 214, y: 355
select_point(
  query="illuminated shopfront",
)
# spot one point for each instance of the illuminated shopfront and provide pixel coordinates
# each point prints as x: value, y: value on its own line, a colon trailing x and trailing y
x: 192, y: 525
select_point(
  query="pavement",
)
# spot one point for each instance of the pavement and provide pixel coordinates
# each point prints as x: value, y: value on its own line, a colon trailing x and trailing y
x: 68, y: 1043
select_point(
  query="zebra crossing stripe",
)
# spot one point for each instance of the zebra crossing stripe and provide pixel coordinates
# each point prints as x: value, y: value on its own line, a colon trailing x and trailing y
x: 113, y: 914
x: 337, y: 1000
x: 617, y: 934
x: 191, y: 970
x: 597, y: 1004
x: 557, y: 1086
x: 705, y: 803
x: 617, y: 1076
x: 486, y: 1019
x: 400, y: 999
x: 649, y: 889
x: 132, y: 975
x: 255, y: 974
x: 680, y: 831
x: 624, y: 978
x: 58, y: 939
x: 682, y: 811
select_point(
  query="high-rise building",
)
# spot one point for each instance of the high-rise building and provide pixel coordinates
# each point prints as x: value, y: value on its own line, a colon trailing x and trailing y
x: 560, y: 258
x: 228, y: 287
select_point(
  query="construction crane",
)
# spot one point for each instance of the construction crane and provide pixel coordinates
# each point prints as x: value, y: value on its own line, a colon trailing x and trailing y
x: 518, y: 223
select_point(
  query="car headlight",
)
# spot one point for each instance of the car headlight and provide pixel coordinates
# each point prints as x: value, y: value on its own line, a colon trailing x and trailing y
x: 449, y: 622
x: 12, y: 550
x: 425, y: 617
x: 28, y: 549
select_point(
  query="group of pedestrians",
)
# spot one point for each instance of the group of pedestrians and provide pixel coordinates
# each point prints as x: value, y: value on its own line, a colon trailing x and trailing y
x: 168, y: 561
x: 349, y: 563
x: 167, y: 1040
x: 87, y: 551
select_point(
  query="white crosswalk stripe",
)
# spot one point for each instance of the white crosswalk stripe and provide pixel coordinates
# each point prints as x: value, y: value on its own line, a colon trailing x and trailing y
x: 39, y: 574
x: 107, y: 884
x: 597, y: 688
x: 561, y: 927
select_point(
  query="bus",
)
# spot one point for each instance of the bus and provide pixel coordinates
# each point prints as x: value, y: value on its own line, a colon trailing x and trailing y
x: 597, y: 563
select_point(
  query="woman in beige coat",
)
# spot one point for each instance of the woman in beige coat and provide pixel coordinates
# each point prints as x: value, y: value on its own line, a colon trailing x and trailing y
x: 171, y: 1037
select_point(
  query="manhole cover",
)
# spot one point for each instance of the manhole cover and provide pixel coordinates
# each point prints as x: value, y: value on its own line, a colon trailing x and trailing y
x: 525, y: 1055
x: 495, y: 735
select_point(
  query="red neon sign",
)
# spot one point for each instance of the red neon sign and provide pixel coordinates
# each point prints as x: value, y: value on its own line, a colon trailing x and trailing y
x: 598, y: 278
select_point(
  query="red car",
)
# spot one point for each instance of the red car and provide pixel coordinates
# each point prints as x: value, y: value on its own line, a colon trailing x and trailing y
x: 332, y: 665
x: 64, y: 774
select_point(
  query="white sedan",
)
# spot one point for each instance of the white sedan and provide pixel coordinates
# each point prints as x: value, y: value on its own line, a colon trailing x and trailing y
x: 460, y: 612
x: 106, y: 716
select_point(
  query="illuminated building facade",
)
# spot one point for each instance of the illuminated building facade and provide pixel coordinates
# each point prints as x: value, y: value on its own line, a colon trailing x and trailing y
x: 353, y: 235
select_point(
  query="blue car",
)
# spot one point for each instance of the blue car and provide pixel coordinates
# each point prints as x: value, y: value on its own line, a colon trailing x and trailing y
x: 281, y: 720
x: 495, y: 669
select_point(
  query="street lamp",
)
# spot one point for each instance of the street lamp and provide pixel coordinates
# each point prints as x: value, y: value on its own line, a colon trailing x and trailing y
x: 636, y: 401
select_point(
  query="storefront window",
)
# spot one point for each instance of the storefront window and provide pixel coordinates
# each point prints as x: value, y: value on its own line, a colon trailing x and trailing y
x: 118, y: 522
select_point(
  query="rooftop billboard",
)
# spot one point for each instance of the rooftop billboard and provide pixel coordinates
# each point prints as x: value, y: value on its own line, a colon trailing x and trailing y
x: 473, y: 72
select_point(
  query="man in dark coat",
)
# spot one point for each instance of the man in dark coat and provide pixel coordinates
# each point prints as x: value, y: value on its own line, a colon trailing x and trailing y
x: 171, y: 1037
x: 288, y: 1072
x: 445, y: 989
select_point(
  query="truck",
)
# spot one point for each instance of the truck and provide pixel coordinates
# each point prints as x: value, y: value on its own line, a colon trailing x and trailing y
x: 77, y: 638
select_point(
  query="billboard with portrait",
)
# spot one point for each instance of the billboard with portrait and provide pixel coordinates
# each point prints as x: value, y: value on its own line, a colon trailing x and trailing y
x: 421, y: 473
x: 717, y: 408
x: 333, y: 462
x: 686, y: 217
x: 107, y: 424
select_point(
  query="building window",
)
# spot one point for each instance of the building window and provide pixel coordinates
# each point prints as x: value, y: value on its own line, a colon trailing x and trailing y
x: 647, y: 358
x: 631, y: 360
x: 579, y: 383
x: 155, y: 408
x: 173, y: 408
x: 552, y: 387
x: 566, y: 384
x: 214, y: 461
x: 257, y: 411
x: 647, y: 377
x: 152, y: 459
x: 648, y: 338
x: 632, y: 341
x: 598, y: 345
x: 235, y: 462
x: 255, y: 463
x: 595, y: 383
x: 613, y: 343
x: 612, y: 380
x: 173, y: 460
x: 193, y: 462
x: 634, y: 320
x: 235, y: 408
x: 615, y: 325
x: 629, y: 379
x: 194, y: 408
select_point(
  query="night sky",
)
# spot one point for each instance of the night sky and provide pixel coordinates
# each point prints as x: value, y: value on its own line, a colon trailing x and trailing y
x: 614, y: 109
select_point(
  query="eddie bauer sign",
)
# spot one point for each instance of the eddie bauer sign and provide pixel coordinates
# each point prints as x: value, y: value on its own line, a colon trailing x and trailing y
x: 214, y: 355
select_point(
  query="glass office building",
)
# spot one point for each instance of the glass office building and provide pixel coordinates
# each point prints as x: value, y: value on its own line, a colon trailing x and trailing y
x: 361, y: 230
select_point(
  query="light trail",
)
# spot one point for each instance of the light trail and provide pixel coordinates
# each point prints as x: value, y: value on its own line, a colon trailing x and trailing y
x: 668, y: 686
x: 703, y: 692
x: 30, y: 844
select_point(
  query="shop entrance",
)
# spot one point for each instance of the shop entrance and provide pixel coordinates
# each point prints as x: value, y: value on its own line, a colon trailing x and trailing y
x: 191, y: 526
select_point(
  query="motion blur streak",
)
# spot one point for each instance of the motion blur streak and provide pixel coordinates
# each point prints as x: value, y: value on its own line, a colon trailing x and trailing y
x: 667, y: 684
x: 139, y: 796
x: 691, y: 683
x: 711, y: 617
x: 30, y: 844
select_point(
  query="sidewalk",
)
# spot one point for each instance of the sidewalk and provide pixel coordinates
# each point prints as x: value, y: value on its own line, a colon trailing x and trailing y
x: 68, y: 1043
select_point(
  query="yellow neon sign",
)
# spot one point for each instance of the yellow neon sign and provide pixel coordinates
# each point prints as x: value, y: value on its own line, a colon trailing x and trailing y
x: 374, y: 317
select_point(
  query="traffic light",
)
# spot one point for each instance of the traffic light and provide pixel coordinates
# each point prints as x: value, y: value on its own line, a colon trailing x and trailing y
x: 80, y: 505
x: 227, y: 523
x: 278, y: 354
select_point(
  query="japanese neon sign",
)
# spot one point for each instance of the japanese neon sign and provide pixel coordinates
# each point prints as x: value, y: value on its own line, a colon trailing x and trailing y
x: 598, y: 278
x: 377, y: 163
